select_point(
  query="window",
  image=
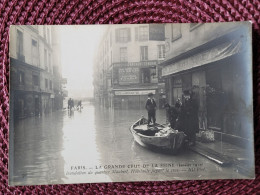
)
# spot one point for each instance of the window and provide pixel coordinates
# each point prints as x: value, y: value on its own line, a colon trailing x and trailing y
x: 123, y: 35
x: 49, y: 62
x: 143, y: 33
x: 19, y: 48
x: 36, y: 80
x: 144, y: 53
x: 44, y: 32
x: 110, y: 39
x: 45, y: 60
x: 48, y: 35
x: 50, y: 85
x: 145, y: 75
x: 21, y: 77
x: 123, y: 54
x: 111, y: 58
x: 35, y: 56
x: 46, y: 83
x: 176, y: 31
x: 161, y: 52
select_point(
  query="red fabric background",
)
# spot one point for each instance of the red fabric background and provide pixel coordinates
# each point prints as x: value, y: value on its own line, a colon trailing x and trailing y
x: 123, y: 11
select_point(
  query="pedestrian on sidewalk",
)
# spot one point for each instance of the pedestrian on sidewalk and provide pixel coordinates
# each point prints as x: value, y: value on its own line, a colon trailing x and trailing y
x: 150, y: 106
x: 69, y: 104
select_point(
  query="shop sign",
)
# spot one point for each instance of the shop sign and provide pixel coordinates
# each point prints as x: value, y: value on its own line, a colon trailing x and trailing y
x: 212, y: 55
x: 143, y: 92
x: 156, y: 32
x: 128, y: 75
x: 145, y: 63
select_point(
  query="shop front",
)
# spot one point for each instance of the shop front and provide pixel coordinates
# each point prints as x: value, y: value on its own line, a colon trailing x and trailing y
x: 219, y: 79
x: 132, y: 99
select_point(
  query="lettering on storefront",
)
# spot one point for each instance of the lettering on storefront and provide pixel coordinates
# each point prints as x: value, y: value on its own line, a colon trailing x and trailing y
x: 146, y: 63
x: 214, y: 54
x: 143, y: 92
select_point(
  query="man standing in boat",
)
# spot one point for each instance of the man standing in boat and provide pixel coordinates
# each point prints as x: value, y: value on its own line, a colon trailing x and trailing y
x: 150, y: 106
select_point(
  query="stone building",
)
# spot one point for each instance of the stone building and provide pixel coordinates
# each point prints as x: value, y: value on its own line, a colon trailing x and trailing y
x: 213, y: 61
x: 126, y: 66
x: 35, y: 70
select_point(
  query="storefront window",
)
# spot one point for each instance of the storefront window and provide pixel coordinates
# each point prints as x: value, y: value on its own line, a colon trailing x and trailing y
x: 177, y: 89
x: 214, y: 99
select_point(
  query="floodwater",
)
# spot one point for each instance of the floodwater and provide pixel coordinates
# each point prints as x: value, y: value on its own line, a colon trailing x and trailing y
x: 95, y: 145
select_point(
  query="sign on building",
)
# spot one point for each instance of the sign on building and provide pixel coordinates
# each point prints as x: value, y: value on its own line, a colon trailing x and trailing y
x: 156, y: 32
x: 129, y: 75
x: 143, y: 92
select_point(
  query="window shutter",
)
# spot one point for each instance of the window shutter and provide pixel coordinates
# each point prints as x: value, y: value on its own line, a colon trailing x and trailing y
x: 136, y: 33
x: 129, y: 34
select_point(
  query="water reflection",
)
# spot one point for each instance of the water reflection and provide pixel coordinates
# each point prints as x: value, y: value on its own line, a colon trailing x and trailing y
x: 38, y: 143
x: 48, y: 148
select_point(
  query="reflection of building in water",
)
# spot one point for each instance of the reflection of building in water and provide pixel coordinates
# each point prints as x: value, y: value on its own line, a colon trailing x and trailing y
x: 36, y: 82
x: 126, y: 65
x: 214, y: 62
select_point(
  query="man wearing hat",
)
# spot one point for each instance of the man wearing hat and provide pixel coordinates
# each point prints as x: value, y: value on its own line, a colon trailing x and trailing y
x: 151, y: 108
x: 190, y: 117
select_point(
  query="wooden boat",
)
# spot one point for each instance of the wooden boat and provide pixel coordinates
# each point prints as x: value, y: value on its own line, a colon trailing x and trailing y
x: 153, y: 137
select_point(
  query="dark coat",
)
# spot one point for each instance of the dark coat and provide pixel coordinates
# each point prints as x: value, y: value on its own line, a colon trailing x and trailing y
x: 150, y: 105
x: 189, y: 116
x: 172, y: 114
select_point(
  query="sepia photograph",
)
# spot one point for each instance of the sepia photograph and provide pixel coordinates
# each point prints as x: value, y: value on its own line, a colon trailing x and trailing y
x: 130, y: 102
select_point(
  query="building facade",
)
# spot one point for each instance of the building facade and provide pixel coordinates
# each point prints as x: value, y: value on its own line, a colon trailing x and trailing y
x: 213, y: 62
x: 126, y: 66
x: 35, y: 69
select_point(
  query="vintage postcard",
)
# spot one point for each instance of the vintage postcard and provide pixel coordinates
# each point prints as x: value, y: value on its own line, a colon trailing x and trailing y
x: 136, y: 102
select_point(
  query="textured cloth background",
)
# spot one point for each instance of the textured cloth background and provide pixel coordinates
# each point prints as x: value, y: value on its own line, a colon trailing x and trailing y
x: 123, y: 11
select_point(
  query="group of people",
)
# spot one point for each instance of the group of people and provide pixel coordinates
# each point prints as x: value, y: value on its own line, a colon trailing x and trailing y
x: 71, y: 105
x: 183, y: 116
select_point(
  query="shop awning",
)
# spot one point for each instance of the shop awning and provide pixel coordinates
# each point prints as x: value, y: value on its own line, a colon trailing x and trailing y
x: 213, y: 54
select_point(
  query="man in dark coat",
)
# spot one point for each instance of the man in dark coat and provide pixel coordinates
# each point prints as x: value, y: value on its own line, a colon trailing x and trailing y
x: 150, y: 106
x: 171, y: 115
x: 190, y: 117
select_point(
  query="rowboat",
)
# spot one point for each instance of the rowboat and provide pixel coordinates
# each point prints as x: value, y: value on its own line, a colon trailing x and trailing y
x: 157, y: 136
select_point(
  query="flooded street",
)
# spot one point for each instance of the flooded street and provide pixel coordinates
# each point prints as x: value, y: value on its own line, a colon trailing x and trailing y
x: 47, y: 149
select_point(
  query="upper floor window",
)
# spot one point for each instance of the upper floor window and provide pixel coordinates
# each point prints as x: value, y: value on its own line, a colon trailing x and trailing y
x: 50, y: 85
x: 21, y: 77
x: 19, y: 46
x: 143, y: 53
x: 44, y: 32
x: 36, y: 80
x: 48, y: 35
x: 46, y: 83
x: 161, y: 52
x: 123, y: 54
x: 110, y: 39
x: 141, y: 33
x: 176, y: 31
x: 123, y: 35
x: 49, y: 62
x: 35, y: 53
x: 45, y: 60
